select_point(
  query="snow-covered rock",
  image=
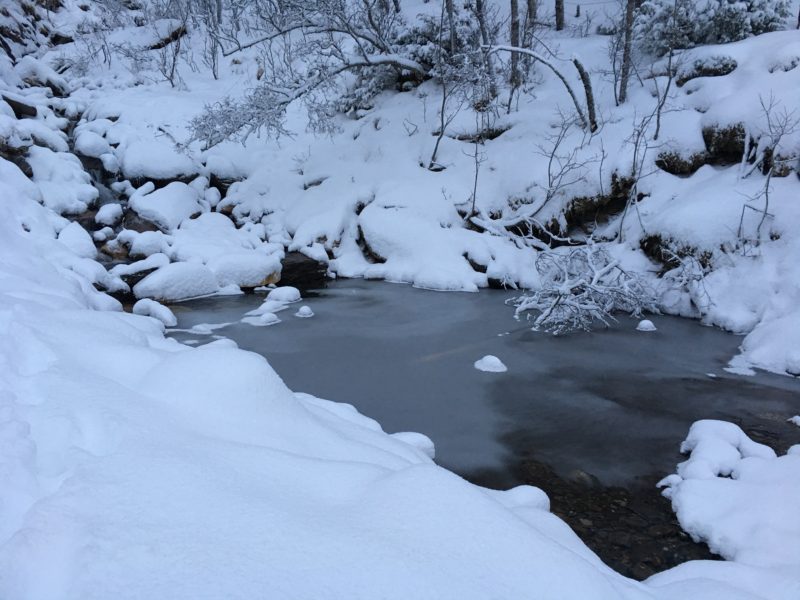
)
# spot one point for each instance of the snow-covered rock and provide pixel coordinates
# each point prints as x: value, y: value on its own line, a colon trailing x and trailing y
x: 246, y: 268
x: 152, y: 159
x: 91, y: 144
x: 109, y: 214
x: 151, y: 308
x: 284, y: 294
x: 177, y: 281
x: 738, y: 496
x: 77, y: 239
x: 167, y: 207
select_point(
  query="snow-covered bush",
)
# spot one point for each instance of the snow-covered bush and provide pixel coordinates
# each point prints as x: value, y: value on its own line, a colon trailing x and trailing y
x: 662, y: 25
x: 581, y: 286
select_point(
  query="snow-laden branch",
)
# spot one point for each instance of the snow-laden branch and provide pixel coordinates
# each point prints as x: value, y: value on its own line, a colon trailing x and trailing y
x: 581, y: 286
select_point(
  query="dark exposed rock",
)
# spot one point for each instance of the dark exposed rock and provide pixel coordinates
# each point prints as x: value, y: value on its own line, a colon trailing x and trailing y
x: 669, y: 253
x: 715, y: 66
x: 366, y: 250
x: 724, y: 145
x: 173, y: 36
x: 221, y: 183
x: 302, y: 272
x: 21, y: 109
x: 131, y: 220
x: 17, y: 156
x: 678, y: 164
x: 134, y: 278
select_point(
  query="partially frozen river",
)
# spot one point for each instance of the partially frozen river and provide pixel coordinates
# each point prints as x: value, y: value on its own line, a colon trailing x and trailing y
x: 614, y: 404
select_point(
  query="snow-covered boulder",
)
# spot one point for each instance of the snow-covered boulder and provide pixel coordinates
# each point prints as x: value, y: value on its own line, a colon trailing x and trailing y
x: 167, y: 207
x: 738, y: 496
x: 152, y: 159
x: 91, y: 144
x: 246, y: 268
x: 284, y: 294
x: 151, y: 308
x: 77, y: 239
x: 109, y: 214
x: 177, y: 281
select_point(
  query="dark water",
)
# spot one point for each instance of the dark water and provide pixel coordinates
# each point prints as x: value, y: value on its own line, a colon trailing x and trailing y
x: 614, y: 404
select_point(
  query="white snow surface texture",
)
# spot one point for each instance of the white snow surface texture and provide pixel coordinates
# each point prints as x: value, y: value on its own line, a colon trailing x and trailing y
x: 132, y: 466
x: 137, y: 467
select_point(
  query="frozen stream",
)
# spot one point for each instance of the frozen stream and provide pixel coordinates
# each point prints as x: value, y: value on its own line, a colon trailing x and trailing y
x: 614, y: 404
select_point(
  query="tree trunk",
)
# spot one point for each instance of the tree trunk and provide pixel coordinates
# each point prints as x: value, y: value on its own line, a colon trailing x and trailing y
x: 480, y: 14
x: 559, y: 15
x: 587, y: 88
x: 625, y: 72
x: 451, y: 19
x: 530, y: 22
x: 514, y: 42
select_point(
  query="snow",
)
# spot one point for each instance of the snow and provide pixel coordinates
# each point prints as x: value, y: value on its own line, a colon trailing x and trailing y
x: 153, y: 159
x: 109, y: 214
x: 154, y: 261
x: 245, y: 268
x: 151, y: 308
x: 739, y: 497
x: 645, y: 325
x: 77, y: 239
x: 284, y: 294
x: 795, y: 420
x: 490, y: 364
x: 134, y: 466
x: 263, y: 319
x: 65, y: 187
x: 167, y: 207
x: 91, y: 144
x: 304, y: 312
x: 419, y: 441
x: 177, y: 281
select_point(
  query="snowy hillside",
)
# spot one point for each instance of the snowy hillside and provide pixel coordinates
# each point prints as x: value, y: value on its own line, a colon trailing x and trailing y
x: 137, y: 467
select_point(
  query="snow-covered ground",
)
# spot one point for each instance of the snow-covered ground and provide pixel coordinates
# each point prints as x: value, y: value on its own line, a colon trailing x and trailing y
x: 134, y: 466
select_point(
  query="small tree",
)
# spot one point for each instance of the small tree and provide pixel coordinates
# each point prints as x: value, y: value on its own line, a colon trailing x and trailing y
x: 581, y: 286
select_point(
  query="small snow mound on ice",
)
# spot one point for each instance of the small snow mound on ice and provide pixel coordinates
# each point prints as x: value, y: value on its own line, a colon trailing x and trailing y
x: 646, y: 325
x: 490, y: 364
x: 177, y: 281
x: 77, y: 239
x: 304, y: 312
x: 284, y: 294
x: 151, y: 308
x: 269, y: 319
x: 418, y: 441
x: 794, y: 420
x: 262, y: 320
x: 108, y: 214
